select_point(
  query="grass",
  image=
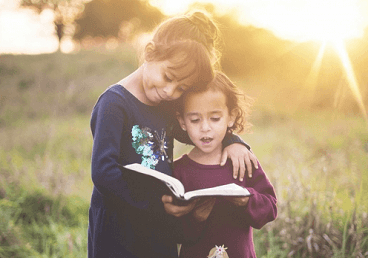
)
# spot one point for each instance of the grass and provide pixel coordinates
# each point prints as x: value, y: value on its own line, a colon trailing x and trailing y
x: 316, y: 159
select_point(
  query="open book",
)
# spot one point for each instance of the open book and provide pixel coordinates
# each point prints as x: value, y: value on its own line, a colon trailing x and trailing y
x: 177, y: 188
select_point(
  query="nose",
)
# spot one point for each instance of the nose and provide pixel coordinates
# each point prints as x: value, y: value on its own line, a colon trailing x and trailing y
x: 205, y: 127
x: 169, y: 90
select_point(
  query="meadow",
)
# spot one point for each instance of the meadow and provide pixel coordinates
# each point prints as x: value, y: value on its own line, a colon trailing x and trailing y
x: 317, y: 159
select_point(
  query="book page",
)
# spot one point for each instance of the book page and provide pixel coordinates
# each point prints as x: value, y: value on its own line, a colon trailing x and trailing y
x: 222, y: 190
x: 174, y: 184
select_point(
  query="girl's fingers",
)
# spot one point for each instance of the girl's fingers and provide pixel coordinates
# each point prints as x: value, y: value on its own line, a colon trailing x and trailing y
x: 254, y: 160
x: 167, y: 199
x: 242, y: 168
x: 175, y: 210
x: 202, y: 212
x: 235, y: 168
x: 248, y: 164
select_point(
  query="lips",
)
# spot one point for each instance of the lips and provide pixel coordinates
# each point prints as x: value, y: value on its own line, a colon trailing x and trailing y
x: 206, y: 140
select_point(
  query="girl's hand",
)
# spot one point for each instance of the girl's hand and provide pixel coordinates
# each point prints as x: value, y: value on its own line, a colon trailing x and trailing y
x: 175, y: 210
x: 238, y: 201
x: 241, y: 158
x: 203, y: 209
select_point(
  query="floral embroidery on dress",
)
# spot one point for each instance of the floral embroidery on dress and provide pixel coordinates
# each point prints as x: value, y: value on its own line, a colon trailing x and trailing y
x: 218, y: 252
x: 151, y: 145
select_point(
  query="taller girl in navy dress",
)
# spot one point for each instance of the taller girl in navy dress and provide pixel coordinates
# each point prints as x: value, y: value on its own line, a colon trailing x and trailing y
x: 228, y: 221
x: 132, y: 123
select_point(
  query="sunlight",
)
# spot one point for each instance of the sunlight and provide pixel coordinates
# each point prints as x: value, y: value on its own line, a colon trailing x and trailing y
x: 327, y: 21
x: 302, y: 20
x: 350, y: 76
x: 348, y: 70
x: 332, y: 20
x: 296, y: 20
x: 313, y: 75
x: 24, y: 32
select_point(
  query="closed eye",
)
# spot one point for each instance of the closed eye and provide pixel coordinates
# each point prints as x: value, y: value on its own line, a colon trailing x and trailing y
x: 194, y: 121
x: 167, y: 78
x: 215, y: 119
x: 182, y: 89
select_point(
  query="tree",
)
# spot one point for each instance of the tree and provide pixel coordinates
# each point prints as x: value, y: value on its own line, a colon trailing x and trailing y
x: 65, y: 12
x: 245, y: 49
x: 104, y: 18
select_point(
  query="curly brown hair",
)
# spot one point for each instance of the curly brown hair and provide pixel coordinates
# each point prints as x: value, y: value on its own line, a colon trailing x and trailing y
x: 236, y: 101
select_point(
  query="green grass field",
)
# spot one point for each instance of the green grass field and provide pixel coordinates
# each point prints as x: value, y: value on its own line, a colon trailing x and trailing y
x: 316, y: 159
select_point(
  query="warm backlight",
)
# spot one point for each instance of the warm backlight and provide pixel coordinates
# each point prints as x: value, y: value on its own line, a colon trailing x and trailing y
x: 322, y: 20
x: 299, y: 20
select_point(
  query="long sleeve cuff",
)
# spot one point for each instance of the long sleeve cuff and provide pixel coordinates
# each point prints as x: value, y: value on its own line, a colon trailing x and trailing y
x: 231, y: 138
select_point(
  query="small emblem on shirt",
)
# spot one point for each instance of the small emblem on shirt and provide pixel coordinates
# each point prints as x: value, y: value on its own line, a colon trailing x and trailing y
x: 218, y: 252
x: 150, y: 144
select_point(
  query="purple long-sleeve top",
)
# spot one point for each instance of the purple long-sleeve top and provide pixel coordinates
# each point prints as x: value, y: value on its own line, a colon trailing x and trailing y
x: 228, y: 225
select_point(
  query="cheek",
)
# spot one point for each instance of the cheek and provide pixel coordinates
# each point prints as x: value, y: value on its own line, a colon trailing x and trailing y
x: 177, y: 95
x: 146, y: 81
x: 221, y: 128
x: 191, y: 129
x: 192, y: 134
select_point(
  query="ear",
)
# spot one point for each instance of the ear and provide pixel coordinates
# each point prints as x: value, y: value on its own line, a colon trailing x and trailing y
x: 181, y: 121
x: 233, y: 115
x: 150, y: 47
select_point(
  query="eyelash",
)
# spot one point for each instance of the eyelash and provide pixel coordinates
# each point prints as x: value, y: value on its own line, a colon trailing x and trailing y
x: 181, y: 89
x: 214, y: 119
x: 167, y: 78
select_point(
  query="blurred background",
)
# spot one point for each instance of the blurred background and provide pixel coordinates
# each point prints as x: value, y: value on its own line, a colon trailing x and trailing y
x: 305, y: 63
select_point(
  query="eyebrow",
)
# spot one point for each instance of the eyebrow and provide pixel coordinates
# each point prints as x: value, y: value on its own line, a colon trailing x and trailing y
x: 170, y: 68
x: 215, y: 112
x: 192, y: 114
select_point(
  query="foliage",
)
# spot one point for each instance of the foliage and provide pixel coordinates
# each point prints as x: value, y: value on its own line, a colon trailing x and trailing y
x: 65, y: 12
x: 316, y: 160
x: 72, y: 84
x: 36, y: 224
x: 247, y: 50
x: 110, y: 18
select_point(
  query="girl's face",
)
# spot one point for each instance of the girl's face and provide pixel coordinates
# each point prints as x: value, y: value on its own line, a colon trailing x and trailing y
x: 165, y: 81
x: 206, y: 119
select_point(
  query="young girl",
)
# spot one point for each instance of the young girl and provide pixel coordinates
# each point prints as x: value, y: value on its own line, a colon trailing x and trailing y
x: 132, y: 123
x: 229, y: 221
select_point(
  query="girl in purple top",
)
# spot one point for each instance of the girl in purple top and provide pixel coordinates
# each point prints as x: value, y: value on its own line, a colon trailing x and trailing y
x: 226, y: 223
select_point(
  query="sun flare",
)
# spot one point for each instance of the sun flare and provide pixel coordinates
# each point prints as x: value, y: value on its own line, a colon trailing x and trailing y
x: 298, y: 20
x: 330, y: 20
x: 301, y: 20
x: 350, y: 76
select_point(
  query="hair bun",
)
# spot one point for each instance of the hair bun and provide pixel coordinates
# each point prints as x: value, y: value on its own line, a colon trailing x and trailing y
x: 205, y: 25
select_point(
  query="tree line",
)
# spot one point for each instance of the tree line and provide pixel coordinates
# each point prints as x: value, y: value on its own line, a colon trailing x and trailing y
x: 246, y: 50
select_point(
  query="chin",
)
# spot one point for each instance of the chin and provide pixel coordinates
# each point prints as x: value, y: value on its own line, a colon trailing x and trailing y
x: 206, y: 151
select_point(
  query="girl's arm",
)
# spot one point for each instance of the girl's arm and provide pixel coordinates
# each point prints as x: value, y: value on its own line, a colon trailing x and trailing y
x: 107, y: 125
x: 260, y: 208
x: 240, y: 154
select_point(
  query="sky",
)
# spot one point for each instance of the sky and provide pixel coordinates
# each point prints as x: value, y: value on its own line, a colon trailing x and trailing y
x: 298, y: 20
x: 24, y: 32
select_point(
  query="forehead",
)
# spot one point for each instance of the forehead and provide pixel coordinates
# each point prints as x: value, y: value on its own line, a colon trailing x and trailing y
x: 204, y: 102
